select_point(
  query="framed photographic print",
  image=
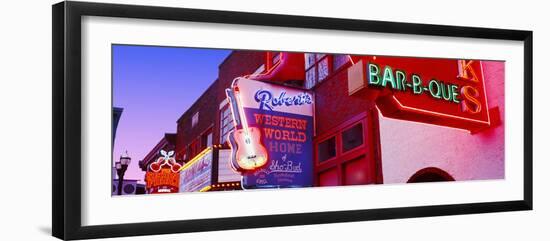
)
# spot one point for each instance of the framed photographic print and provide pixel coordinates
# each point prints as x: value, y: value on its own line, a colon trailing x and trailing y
x: 170, y: 120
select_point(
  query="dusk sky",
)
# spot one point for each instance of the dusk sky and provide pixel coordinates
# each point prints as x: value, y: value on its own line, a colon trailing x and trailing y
x: 155, y: 86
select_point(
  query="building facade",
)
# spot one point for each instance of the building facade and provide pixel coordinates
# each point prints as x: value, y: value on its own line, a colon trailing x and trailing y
x: 353, y: 143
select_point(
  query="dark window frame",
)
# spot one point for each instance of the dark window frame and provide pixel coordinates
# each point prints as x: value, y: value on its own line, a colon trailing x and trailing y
x: 315, y: 65
x: 363, y: 136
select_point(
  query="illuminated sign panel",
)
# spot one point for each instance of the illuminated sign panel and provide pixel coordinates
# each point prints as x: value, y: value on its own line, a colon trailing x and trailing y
x: 444, y: 92
x: 284, y: 117
x: 196, y: 175
x: 163, y: 174
x: 163, y: 181
x: 225, y: 173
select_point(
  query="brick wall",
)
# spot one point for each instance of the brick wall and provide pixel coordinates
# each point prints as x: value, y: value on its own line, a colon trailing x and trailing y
x: 333, y: 105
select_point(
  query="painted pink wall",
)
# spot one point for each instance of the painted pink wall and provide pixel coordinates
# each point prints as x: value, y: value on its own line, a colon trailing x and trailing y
x: 408, y: 147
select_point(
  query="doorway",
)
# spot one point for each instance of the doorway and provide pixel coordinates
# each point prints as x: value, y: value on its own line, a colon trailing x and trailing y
x: 347, y: 155
x: 430, y: 174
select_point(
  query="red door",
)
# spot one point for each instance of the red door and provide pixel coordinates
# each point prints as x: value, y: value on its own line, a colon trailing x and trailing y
x: 348, y: 154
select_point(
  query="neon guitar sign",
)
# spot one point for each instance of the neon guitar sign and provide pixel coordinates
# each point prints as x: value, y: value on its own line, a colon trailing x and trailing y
x: 166, y: 159
x: 248, y: 152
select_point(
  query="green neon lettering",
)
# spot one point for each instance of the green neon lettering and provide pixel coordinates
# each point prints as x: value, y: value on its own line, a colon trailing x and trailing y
x: 374, y: 78
x: 401, y: 78
x: 417, y: 84
x: 454, y: 93
x: 445, y: 91
x: 388, y: 77
x: 433, y: 84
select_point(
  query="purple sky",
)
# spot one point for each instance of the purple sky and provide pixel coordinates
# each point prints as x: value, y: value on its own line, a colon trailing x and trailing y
x: 155, y: 85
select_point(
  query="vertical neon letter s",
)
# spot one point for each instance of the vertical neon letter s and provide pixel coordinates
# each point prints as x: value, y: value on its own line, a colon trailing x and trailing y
x: 470, y: 103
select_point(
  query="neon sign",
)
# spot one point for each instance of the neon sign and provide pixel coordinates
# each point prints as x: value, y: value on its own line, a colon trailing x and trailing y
x: 196, y: 175
x: 163, y: 175
x: 247, y: 151
x: 284, y: 118
x: 166, y: 159
x: 398, y: 81
x: 443, y: 92
x: 268, y: 102
x: 164, y: 181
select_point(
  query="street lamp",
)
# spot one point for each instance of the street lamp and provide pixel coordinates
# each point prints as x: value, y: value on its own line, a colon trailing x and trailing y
x: 121, y: 165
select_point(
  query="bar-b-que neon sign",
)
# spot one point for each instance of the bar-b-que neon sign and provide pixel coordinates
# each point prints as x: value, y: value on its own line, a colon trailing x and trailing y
x: 444, y: 92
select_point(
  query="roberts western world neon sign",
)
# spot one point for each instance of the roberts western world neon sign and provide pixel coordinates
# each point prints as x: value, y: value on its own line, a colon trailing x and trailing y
x: 282, y: 118
x: 443, y: 92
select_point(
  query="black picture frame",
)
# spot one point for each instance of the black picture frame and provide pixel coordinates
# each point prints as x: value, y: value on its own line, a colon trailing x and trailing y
x: 67, y: 134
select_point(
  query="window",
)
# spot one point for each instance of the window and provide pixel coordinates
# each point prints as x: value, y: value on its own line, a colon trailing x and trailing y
x: 185, y: 155
x: 317, y: 68
x: 276, y: 58
x: 327, y: 149
x: 226, y: 123
x: 195, y: 119
x: 339, y: 60
x: 206, y: 140
x: 352, y: 137
x: 259, y: 70
x: 180, y: 154
x: 209, y: 139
